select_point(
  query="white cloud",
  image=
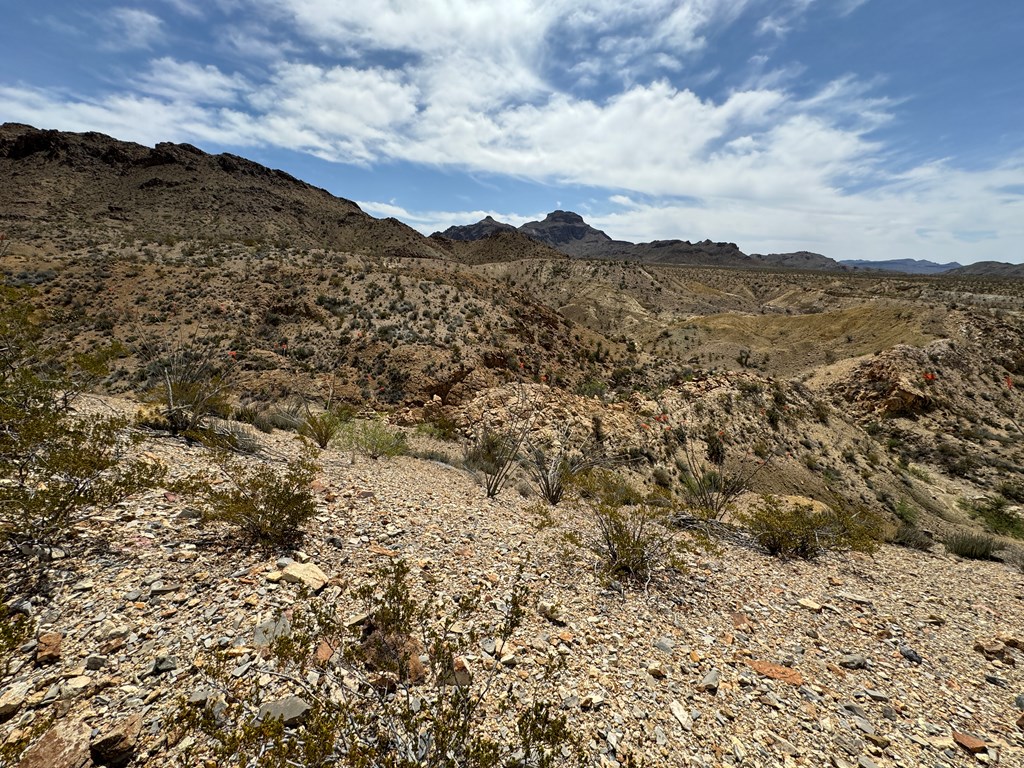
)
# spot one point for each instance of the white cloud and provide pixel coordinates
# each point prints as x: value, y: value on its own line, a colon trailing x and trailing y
x: 189, y: 81
x: 132, y: 28
x: 469, y: 86
x: 186, y: 8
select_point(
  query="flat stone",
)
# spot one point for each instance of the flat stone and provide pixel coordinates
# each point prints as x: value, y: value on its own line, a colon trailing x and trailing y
x: 710, y: 682
x: 657, y: 670
x: 163, y: 663
x: 81, y: 685
x: 666, y: 644
x: 65, y: 745
x: 291, y: 710
x: 116, y: 746
x: 680, y: 714
x: 853, y: 661
x: 970, y: 743
x: 48, y: 648
x: 776, y: 671
x: 270, y: 630
x: 163, y: 587
x: 810, y: 605
x: 307, y: 574
x: 784, y: 745
x: 13, y: 698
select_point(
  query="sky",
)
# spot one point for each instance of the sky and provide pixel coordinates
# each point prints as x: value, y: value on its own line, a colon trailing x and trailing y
x: 870, y: 129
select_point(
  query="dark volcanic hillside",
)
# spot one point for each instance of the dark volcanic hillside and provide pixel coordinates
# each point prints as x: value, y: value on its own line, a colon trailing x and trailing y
x: 569, y: 233
x: 73, y: 188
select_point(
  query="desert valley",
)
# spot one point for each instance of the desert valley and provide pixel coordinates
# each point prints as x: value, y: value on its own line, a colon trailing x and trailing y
x: 288, y: 485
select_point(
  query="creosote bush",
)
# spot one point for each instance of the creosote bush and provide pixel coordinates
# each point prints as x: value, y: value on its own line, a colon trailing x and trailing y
x: 372, y: 703
x: 267, y: 505
x: 58, y: 468
x: 374, y: 438
x: 800, y: 531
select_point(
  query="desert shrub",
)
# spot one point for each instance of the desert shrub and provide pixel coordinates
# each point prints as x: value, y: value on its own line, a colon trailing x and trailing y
x: 15, y: 629
x: 439, y: 425
x: 1014, y: 491
x: 288, y: 417
x: 712, y: 483
x: 662, y: 477
x: 268, y: 506
x: 188, y: 379
x: 912, y: 537
x: 994, y: 512
x: 321, y: 428
x: 906, y: 512
x: 374, y: 704
x: 634, y: 539
x: 58, y: 469
x: 375, y: 438
x: 799, y: 530
x: 555, y: 464
x: 495, y: 448
x: 973, y: 546
x: 257, y: 417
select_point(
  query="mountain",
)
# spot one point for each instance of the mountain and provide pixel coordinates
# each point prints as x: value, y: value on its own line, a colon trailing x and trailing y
x: 500, y: 245
x: 483, y: 228
x: 569, y: 233
x: 799, y: 260
x: 907, y: 266
x: 989, y: 269
x: 99, y: 188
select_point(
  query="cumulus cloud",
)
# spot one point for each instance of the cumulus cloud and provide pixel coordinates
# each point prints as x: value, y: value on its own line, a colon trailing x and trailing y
x: 189, y: 81
x: 493, y: 88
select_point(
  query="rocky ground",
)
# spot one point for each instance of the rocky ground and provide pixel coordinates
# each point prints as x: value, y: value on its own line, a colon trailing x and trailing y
x: 902, y: 658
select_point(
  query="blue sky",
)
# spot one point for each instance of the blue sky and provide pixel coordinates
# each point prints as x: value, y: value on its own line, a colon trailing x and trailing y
x: 855, y: 128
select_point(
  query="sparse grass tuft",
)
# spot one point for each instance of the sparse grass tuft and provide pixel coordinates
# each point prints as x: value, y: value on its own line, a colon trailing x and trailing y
x: 973, y: 546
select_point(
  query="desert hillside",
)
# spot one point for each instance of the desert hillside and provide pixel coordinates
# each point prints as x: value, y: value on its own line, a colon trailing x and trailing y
x: 284, y: 484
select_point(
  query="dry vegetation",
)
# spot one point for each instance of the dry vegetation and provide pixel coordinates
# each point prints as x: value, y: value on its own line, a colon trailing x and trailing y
x: 704, y: 395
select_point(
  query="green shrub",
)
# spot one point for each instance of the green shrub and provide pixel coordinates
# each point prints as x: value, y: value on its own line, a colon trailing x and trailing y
x: 14, y: 630
x: 973, y: 546
x: 440, y: 426
x: 321, y: 428
x: 634, y: 540
x: 497, y: 441
x: 1014, y: 491
x: 995, y: 512
x: 257, y: 417
x: 269, y: 507
x: 554, y: 465
x: 188, y: 379
x: 288, y: 418
x: 799, y: 530
x: 373, y: 704
x: 58, y: 469
x: 375, y: 439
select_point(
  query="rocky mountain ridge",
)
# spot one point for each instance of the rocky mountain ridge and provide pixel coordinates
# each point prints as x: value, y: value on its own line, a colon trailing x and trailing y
x: 569, y: 233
